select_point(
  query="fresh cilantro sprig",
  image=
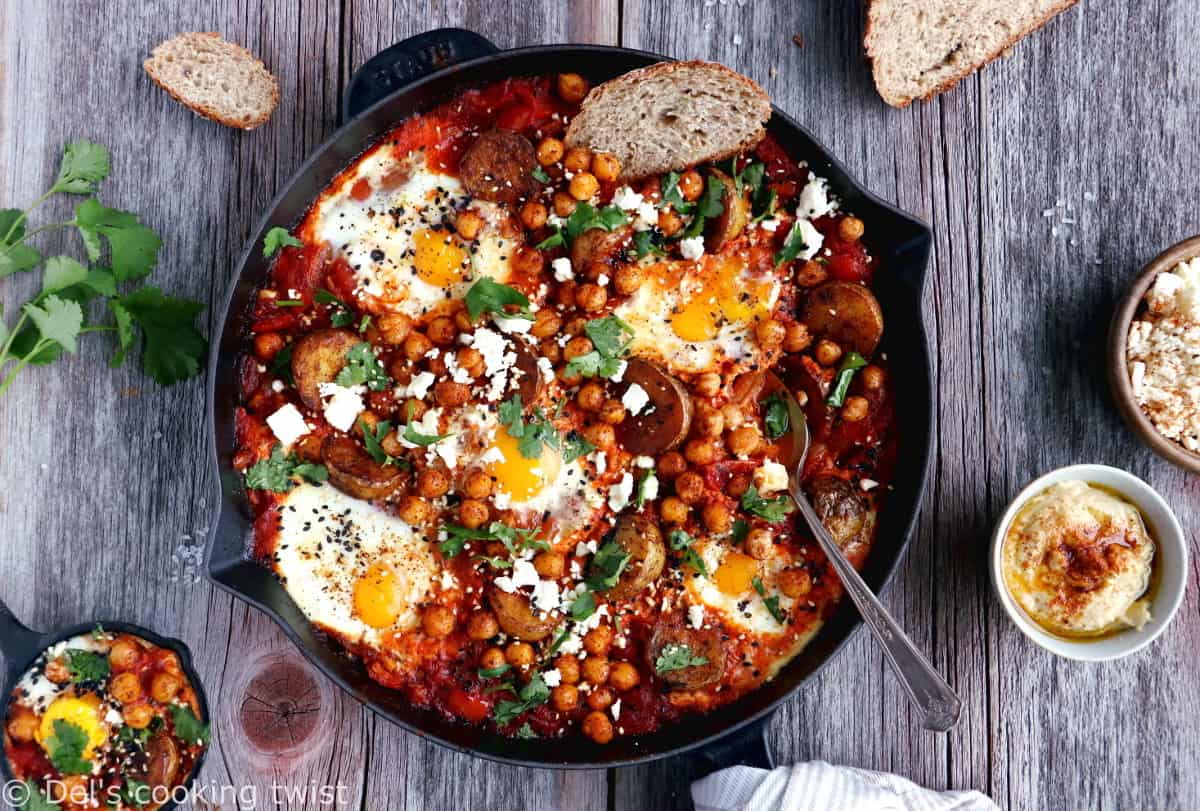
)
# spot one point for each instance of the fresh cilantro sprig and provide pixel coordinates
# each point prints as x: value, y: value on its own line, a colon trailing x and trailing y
x: 531, y: 433
x: 341, y: 315
x: 373, y: 441
x: 793, y: 244
x: 494, y: 672
x: 645, y: 484
x: 188, y: 727
x: 87, y: 666
x: 363, y: 367
x: 841, y: 385
x: 575, y: 446
x: 66, y: 746
x: 606, y: 566
x: 514, y: 540
x: 776, y: 418
x: 120, y: 251
x: 770, y: 509
x: 583, y: 606
x: 648, y: 242
x: 708, y: 206
x: 525, y: 732
x: 672, y: 196
x: 415, y: 437
x: 533, y: 694
x: 682, y: 542
x: 610, y: 338
x: 677, y: 657
x: 772, y: 602
x: 278, y: 238
x: 585, y: 217
x: 278, y: 473
x: 489, y: 296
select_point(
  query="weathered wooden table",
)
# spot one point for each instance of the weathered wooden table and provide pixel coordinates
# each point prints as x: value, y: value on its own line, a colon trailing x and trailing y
x: 1048, y: 181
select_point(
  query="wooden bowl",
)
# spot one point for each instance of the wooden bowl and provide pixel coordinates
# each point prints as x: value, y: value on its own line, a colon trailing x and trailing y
x: 1118, y: 368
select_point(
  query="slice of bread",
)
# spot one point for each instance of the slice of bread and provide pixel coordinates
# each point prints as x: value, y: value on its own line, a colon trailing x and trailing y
x: 215, y: 78
x: 919, y: 48
x: 671, y: 115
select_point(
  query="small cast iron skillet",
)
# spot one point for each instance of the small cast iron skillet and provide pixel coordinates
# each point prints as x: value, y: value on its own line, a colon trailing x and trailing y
x: 21, y: 647
x: 413, y: 76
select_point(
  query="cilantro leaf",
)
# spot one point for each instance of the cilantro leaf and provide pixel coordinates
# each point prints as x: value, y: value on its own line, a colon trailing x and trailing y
x: 850, y: 364
x: 35, y: 800
x: 12, y: 225
x: 133, y: 247
x: 515, y: 540
x: 555, y: 240
x: 672, y: 196
x: 610, y: 338
x: 423, y: 440
x: 587, y: 217
x: 363, y: 366
x: 87, y: 666
x: 792, y: 245
x: 772, y: 602
x: 740, y: 530
x: 771, y: 509
x: 136, y: 793
x: 494, y: 562
x: 606, y: 566
x: 187, y: 726
x: 583, y: 606
x: 526, y: 732
x: 281, y: 365
x: 575, y: 446
x: 17, y: 259
x: 372, y: 437
x: 644, y: 486
x: 752, y: 176
x: 531, y: 434
x: 647, y: 242
x: 682, y: 542
x: 539, y: 174
x: 533, y: 694
x: 342, y: 315
x: 494, y: 672
x: 489, y: 296
x: 65, y: 748
x: 677, y: 657
x: 278, y: 238
x: 277, y: 474
x: 765, y: 207
x: 57, y: 320
x: 137, y: 737
x: 777, y: 419
x: 84, y: 165
x: 68, y: 278
x: 172, y: 346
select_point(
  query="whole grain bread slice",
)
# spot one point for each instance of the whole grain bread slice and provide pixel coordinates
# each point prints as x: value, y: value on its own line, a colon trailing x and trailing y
x: 671, y: 115
x: 215, y: 78
x: 919, y: 48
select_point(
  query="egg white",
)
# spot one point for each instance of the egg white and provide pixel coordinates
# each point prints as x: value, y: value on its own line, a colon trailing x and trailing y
x: 747, y: 611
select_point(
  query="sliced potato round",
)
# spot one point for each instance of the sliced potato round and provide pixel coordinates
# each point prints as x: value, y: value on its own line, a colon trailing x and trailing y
x: 640, y: 536
x: 839, y: 507
x: 530, y: 384
x: 162, y: 760
x: 517, y: 617
x: 730, y: 223
x: 353, y: 471
x: 498, y: 166
x: 700, y: 643
x: 846, y: 313
x: 317, y: 358
x: 664, y: 422
x: 598, y: 245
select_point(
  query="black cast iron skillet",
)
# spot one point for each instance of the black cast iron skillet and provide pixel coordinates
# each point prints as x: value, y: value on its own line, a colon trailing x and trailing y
x: 22, y: 646
x: 411, y: 77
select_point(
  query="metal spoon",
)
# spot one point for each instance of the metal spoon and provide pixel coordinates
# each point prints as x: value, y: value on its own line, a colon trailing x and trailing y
x: 927, y: 690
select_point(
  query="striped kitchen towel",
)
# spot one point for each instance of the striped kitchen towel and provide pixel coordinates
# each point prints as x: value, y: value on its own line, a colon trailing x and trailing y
x: 820, y: 786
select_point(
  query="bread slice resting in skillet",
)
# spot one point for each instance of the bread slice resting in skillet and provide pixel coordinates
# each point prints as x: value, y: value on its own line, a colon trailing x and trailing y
x: 919, y: 48
x: 215, y: 79
x: 671, y: 115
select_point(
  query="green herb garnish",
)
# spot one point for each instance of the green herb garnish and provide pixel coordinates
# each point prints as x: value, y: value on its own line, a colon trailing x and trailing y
x: 532, y: 433
x: 488, y: 296
x: 278, y: 238
x: 771, y: 509
x: 278, y: 473
x: 187, y: 726
x: 373, y: 439
x: 342, y: 315
x: 136, y: 793
x: 606, y: 566
x: 793, y: 244
x: 539, y: 174
x: 610, y: 338
x: 772, y: 602
x: 583, y: 606
x: 776, y: 420
x: 709, y: 205
x: 533, y: 694
x: 87, y: 666
x: 526, y: 732
x: 850, y: 364
x: 65, y: 748
x: 494, y: 672
x: 677, y: 657
x: 682, y: 542
x: 363, y: 367
x: 643, y: 486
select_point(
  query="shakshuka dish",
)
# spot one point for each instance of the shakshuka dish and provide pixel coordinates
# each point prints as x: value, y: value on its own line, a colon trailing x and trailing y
x: 512, y: 423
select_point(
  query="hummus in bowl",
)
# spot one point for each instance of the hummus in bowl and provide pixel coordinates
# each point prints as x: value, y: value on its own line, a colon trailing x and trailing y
x: 1077, y: 558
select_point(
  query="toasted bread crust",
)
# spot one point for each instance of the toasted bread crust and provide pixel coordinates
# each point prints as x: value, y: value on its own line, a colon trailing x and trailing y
x: 206, y: 109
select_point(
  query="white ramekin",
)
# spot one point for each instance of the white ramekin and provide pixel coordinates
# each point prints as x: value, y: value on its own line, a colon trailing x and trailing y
x: 1171, y: 559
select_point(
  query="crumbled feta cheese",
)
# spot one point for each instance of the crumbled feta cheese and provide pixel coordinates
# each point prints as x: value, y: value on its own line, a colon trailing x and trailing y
x: 277, y: 386
x: 691, y: 247
x: 868, y: 484
x: 502, y: 500
x: 650, y: 487
x: 644, y: 462
x: 769, y: 224
x: 600, y: 460
x: 523, y: 574
x: 626, y: 199
x: 419, y: 386
x: 287, y: 424
x: 647, y: 217
x: 771, y: 477
x: 562, y: 269
x: 619, y: 493
x: 695, y: 615
x: 457, y: 373
x: 634, y: 399
x: 512, y: 325
x: 602, y: 280
x: 619, y: 375
x: 342, y: 405
x: 814, y: 199
x: 545, y: 596
x: 616, y: 710
x: 582, y: 549
x: 491, y: 456
x: 552, y: 678
x: 546, y: 368
x: 810, y: 238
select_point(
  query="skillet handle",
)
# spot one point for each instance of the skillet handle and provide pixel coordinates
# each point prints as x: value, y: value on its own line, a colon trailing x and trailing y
x: 746, y: 747
x: 18, y: 643
x: 401, y: 64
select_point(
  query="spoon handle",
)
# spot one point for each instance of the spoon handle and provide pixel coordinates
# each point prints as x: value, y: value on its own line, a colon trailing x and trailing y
x: 925, y: 687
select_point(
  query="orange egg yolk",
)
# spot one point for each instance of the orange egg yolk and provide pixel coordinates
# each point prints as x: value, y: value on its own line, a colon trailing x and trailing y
x: 437, y: 258
x: 377, y: 599
x: 736, y: 573
x: 518, y: 476
x: 724, y: 296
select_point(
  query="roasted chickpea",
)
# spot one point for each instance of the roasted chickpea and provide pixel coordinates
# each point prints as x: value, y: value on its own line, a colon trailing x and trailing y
x: 57, y: 672
x: 468, y: 224
x: 568, y: 668
x: 432, y: 483
x: 717, y: 517
x: 528, y: 259
x: 700, y: 451
x: 564, y: 294
x: 855, y: 409
x: 770, y: 333
x: 689, y: 486
x: 590, y: 397
x: 674, y: 510
x: 628, y: 279
x: 598, y: 640
x: 572, y: 87
x: 470, y: 360
x: 811, y: 274
x: 416, y: 346
x: 606, y: 167
x: 744, y: 441
x: 124, y: 654
x: 583, y: 186
x: 623, y: 676
x: 267, y: 345
x: 550, y: 565
x: 462, y: 321
x: 414, y: 510
x: 519, y: 654
x: 759, y: 544
x: 568, y: 377
x: 710, y: 422
x: 597, y: 727
x: 442, y: 331
x: 671, y: 464
x: 738, y: 484
x: 390, y: 444
x: 533, y: 215
x: 595, y: 669
x: 165, y: 686
x: 482, y: 625
x: 827, y: 352
x: 367, y: 418
x: 138, y: 716
x: 450, y: 394
x: 707, y: 384
x: 478, y: 484
x: 437, y: 621
x: 579, y: 345
x: 797, y: 338
x: 691, y: 185
x: 126, y: 687
x: 872, y: 378
x: 492, y: 658
x: 669, y: 222
x: 591, y: 297
x: 575, y: 326
x: 795, y: 583
x: 577, y: 159
x: 565, y: 697
x: 851, y: 229
x: 600, y: 434
x: 613, y: 412
x: 545, y: 324
x: 549, y: 150
x: 22, y: 724
x: 734, y: 416
x: 550, y: 350
x: 564, y: 204
x: 601, y: 698
x: 473, y: 513
x: 393, y: 328
x: 414, y: 409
